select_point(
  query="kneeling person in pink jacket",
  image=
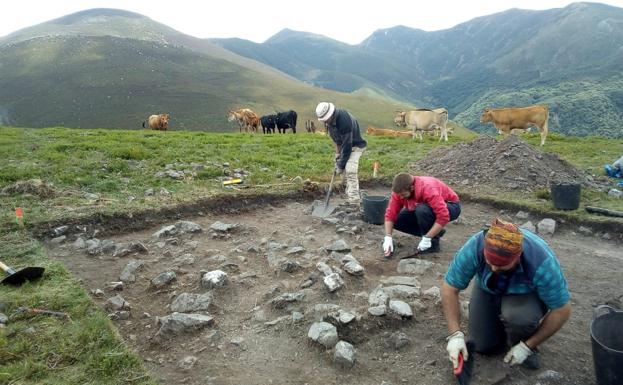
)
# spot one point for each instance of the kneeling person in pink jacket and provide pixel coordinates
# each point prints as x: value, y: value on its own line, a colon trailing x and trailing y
x: 420, y: 206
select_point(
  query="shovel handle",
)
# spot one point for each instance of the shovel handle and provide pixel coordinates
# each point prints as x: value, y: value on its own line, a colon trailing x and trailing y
x: 6, y: 269
x: 326, y: 202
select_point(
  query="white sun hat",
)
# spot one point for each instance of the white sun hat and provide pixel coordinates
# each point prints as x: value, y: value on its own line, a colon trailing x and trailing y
x: 324, y: 111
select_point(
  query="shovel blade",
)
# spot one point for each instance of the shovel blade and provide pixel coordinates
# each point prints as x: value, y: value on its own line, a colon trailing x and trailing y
x: 322, y: 210
x: 26, y: 274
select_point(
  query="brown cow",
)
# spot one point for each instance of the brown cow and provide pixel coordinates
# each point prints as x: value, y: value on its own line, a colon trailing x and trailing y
x: 245, y: 118
x: 158, y: 122
x: 386, y: 132
x: 508, y: 119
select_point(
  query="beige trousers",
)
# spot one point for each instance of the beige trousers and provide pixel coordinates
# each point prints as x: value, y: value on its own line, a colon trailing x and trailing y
x: 350, y: 175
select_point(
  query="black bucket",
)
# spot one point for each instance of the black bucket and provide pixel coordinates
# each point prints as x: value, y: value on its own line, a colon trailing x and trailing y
x: 374, y: 208
x: 566, y: 196
x: 607, y: 343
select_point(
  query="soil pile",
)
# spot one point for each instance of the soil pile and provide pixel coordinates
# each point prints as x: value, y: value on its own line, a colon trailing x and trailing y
x: 510, y: 164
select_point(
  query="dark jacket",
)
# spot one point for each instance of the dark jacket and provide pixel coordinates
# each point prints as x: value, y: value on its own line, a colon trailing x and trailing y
x: 344, y: 130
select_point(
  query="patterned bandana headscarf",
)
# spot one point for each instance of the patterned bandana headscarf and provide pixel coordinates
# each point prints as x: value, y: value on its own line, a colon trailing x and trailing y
x: 502, y: 243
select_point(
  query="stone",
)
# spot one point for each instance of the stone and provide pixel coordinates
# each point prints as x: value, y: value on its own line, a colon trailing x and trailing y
x: 324, y: 333
x: 344, y: 355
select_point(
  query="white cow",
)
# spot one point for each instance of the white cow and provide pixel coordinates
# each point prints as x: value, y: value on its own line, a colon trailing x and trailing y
x: 423, y: 119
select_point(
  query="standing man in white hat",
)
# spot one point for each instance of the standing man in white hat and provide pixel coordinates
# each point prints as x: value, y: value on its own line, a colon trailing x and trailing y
x: 349, y: 145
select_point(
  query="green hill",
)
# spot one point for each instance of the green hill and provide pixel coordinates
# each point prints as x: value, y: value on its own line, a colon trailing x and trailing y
x: 111, y: 69
x: 568, y: 58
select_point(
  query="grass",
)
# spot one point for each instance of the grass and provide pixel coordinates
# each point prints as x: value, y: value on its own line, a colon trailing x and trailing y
x: 40, y: 349
x: 120, y: 166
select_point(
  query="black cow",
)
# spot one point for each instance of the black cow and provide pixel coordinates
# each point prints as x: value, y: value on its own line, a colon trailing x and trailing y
x: 268, y: 123
x: 286, y: 120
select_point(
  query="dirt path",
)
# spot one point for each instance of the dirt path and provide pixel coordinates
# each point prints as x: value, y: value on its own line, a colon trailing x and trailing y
x: 242, y: 349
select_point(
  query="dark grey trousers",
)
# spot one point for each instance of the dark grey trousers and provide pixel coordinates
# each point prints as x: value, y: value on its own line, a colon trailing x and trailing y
x: 497, y: 321
x: 419, y: 221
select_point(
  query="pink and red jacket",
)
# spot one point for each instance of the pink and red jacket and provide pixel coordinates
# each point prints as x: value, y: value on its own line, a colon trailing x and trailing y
x: 429, y: 190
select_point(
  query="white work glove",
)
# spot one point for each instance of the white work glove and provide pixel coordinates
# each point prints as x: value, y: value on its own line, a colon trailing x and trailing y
x: 338, y: 170
x: 456, y: 345
x: 425, y: 244
x: 518, y: 354
x: 388, y: 245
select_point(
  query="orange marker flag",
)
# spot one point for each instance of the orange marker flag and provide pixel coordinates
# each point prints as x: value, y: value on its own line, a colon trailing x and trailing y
x: 19, y: 216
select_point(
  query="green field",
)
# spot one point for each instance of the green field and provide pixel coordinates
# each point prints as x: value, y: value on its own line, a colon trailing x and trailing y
x: 119, y: 167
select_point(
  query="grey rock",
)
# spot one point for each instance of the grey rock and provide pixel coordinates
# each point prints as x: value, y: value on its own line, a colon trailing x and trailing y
x: 79, y: 243
x: 546, y: 226
x: 402, y: 292
x: 284, y: 299
x: 378, y: 311
x: 3, y: 318
x: 128, y: 273
x: 188, y: 227
x: 401, y: 308
x: 333, y: 282
x: 401, y: 280
x: 222, y: 227
x: 414, y: 266
x: 354, y: 268
x: 529, y: 226
x: 178, y: 322
x: 339, y: 245
x: 378, y: 297
x: 214, y: 279
x: 58, y: 240
x: 116, y: 303
x: 324, y: 333
x: 163, y: 279
x: 190, y: 302
x: 166, y: 231
x: 61, y: 230
x: 344, y: 355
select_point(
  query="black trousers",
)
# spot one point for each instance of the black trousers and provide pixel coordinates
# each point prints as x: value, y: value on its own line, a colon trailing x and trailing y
x: 501, y: 321
x: 419, y: 221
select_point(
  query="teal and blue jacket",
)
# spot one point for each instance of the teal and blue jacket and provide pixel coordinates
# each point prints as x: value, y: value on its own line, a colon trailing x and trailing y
x: 538, y: 271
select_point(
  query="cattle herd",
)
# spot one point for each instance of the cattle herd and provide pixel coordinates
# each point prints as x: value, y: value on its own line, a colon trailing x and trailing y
x: 418, y: 121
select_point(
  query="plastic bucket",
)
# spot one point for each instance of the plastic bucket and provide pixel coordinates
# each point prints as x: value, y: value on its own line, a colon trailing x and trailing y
x: 607, y: 344
x: 566, y: 196
x: 374, y: 208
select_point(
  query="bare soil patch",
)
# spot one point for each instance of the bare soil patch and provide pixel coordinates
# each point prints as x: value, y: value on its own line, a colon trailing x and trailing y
x: 241, y: 348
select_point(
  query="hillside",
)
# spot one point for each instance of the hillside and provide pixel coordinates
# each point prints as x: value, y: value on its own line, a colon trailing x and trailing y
x: 512, y: 58
x: 110, y: 68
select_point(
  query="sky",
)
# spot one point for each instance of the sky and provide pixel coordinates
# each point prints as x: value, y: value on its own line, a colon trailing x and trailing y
x: 257, y: 20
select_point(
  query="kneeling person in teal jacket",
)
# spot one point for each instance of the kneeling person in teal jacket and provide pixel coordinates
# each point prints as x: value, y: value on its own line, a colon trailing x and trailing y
x: 519, y: 300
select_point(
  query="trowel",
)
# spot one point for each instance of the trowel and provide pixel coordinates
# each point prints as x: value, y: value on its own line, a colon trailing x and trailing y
x: 323, y: 209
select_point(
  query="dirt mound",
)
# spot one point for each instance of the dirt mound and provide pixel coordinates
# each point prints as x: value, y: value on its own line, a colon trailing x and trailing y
x: 510, y: 164
x: 35, y: 187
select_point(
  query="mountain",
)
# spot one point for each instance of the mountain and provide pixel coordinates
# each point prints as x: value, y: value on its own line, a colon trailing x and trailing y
x: 112, y: 68
x: 568, y: 58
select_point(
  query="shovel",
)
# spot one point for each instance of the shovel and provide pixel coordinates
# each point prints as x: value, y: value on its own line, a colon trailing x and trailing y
x: 19, y: 277
x: 322, y: 209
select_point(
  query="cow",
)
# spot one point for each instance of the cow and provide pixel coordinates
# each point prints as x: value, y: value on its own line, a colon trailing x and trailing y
x: 386, y: 132
x: 423, y: 119
x: 268, y: 123
x: 310, y: 126
x: 245, y: 118
x: 508, y: 119
x: 158, y: 122
x: 286, y: 120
